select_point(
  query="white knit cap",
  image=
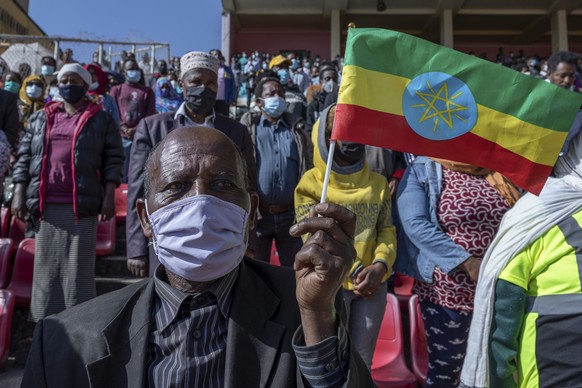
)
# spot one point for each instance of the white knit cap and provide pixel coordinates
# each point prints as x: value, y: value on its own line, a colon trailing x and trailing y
x: 75, y: 68
x: 198, y: 60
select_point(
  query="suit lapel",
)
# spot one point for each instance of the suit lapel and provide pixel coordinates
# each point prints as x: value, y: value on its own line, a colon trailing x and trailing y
x: 126, y: 337
x: 253, y: 339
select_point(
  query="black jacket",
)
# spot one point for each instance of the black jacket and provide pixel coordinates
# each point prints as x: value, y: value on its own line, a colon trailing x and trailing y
x: 9, y: 122
x: 150, y: 131
x: 103, y: 342
x: 98, y: 159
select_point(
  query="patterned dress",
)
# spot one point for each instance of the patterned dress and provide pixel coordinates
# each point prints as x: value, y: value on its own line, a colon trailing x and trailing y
x: 469, y: 213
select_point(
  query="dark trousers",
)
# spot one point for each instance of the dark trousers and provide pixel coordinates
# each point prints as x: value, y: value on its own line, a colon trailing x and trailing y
x: 447, y: 332
x: 276, y: 226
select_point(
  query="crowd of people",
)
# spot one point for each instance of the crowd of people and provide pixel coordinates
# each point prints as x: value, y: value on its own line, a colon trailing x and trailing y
x: 211, y: 189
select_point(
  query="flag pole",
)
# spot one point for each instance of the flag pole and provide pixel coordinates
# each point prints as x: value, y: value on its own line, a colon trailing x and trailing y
x: 328, y: 168
x: 330, y: 153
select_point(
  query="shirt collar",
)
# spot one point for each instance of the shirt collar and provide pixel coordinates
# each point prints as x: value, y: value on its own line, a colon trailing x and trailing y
x: 208, y: 120
x: 265, y: 122
x: 172, y: 299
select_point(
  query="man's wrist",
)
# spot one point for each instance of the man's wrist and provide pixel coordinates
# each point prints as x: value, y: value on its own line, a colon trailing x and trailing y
x: 318, y: 324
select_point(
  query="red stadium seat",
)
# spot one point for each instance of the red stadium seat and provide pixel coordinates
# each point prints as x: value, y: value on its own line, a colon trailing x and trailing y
x: 4, y: 222
x: 21, y: 282
x: 6, y: 247
x: 121, y: 203
x: 6, y: 309
x: 388, y: 365
x: 105, y: 238
x: 274, y: 260
x: 17, y: 230
x: 418, y: 346
x: 403, y: 289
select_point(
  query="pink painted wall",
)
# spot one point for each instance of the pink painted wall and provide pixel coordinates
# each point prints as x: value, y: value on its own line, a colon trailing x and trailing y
x: 275, y: 40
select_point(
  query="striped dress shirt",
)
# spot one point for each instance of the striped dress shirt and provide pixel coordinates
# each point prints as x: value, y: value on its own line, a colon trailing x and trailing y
x: 187, y: 341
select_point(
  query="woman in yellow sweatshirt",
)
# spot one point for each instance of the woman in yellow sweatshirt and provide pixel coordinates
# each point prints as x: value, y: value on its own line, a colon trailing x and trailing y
x: 366, y: 194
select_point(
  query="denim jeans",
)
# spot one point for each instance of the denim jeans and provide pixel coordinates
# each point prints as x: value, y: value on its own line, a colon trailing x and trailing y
x: 126, y: 152
x: 276, y: 226
x: 364, y: 320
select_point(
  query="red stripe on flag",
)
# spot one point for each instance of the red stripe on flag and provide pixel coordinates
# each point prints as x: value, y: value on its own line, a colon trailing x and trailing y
x: 361, y: 125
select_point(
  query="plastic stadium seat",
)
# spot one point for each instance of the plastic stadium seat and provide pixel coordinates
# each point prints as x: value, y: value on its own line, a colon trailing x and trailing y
x: 274, y: 255
x: 4, y: 222
x: 403, y: 289
x: 418, y: 346
x: 105, y: 238
x: 17, y: 230
x: 388, y: 365
x: 21, y: 282
x: 5, y: 256
x: 121, y: 203
x: 6, y: 309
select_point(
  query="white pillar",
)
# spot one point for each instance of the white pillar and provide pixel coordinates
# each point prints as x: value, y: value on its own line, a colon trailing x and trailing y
x: 226, y: 37
x: 559, y: 31
x: 447, y: 28
x: 335, y: 33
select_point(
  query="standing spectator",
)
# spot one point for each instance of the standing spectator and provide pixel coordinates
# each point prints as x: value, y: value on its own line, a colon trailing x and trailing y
x: 48, y: 65
x: 98, y: 91
x: 326, y: 96
x: 162, y: 72
x: 282, y: 152
x: 31, y: 98
x: 226, y: 93
x: 198, y: 80
x: 455, y: 214
x: 365, y: 193
x: 167, y: 100
x: 69, y: 163
x: 145, y: 64
x: 135, y: 102
x: 24, y: 70
x: 296, y: 103
x: 562, y: 69
x: 301, y: 77
x: 12, y: 82
x: 67, y: 57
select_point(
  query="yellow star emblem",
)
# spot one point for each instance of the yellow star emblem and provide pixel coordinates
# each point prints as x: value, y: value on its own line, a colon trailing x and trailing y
x: 431, y: 99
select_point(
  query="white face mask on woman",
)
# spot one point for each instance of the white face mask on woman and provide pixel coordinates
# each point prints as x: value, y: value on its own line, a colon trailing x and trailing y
x: 200, y: 238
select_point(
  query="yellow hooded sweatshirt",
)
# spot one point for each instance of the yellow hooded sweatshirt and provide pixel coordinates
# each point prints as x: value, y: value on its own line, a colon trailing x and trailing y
x: 364, y: 192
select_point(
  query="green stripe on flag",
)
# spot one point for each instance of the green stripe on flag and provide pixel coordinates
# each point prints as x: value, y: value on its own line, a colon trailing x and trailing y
x: 492, y: 85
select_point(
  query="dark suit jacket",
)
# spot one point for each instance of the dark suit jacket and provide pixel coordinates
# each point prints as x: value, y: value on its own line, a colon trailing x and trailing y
x: 9, y: 122
x: 103, y: 342
x: 150, y: 132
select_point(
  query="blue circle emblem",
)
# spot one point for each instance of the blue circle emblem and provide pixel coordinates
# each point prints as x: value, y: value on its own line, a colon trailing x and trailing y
x: 438, y: 106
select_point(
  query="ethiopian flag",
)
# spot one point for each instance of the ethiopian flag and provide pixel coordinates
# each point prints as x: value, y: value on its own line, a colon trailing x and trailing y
x: 404, y: 93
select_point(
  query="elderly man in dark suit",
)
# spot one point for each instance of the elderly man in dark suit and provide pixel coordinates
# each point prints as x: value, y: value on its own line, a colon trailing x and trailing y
x: 210, y: 317
x: 198, y: 80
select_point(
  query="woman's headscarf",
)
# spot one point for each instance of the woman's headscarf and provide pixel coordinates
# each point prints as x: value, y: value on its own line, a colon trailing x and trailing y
x: 101, y: 79
x: 166, y: 102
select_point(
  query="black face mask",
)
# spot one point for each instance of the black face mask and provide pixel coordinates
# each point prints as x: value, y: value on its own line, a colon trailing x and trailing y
x: 199, y: 99
x: 350, y: 152
x: 72, y: 93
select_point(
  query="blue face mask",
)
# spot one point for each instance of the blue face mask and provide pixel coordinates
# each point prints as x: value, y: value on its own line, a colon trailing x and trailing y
x: 11, y: 86
x: 47, y: 70
x: 274, y: 106
x: 284, y: 76
x: 34, y: 92
x: 133, y: 76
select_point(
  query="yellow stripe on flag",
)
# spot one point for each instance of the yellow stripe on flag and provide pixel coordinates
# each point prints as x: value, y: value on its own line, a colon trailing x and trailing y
x: 372, y: 89
x: 383, y: 92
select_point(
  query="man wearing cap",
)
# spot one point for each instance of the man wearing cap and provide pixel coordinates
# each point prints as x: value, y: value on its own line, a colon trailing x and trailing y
x: 69, y: 162
x: 198, y: 80
x: 226, y: 85
x: 296, y: 102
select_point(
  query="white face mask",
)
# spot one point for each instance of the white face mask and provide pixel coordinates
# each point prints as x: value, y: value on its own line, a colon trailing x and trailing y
x: 94, y: 86
x: 34, y: 92
x: 200, y: 238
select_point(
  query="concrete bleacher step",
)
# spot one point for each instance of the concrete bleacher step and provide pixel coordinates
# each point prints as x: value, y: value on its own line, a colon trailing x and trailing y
x: 111, y: 274
x: 105, y: 285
